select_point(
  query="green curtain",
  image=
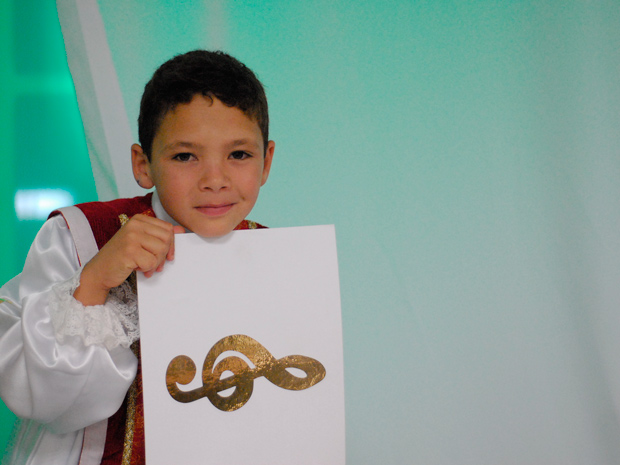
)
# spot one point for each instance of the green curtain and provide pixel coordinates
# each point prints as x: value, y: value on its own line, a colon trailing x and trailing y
x: 41, y: 130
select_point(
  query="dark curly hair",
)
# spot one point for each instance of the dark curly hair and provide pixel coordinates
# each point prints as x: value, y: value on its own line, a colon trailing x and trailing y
x: 211, y: 74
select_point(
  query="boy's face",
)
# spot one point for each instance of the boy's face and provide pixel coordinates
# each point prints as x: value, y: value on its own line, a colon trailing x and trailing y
x: 207, y: 165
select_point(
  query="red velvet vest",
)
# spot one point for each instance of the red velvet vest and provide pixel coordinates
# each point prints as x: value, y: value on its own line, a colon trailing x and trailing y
x: 124, y: 443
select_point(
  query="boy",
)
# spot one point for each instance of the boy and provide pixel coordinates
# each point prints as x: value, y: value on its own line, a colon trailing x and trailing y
x: 66, y: 330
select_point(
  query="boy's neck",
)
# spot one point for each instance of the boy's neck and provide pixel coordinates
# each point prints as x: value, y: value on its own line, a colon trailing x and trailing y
x: 159, y: 210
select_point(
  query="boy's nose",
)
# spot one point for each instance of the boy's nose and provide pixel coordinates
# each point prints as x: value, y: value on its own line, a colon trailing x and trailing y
x: 213, y: 177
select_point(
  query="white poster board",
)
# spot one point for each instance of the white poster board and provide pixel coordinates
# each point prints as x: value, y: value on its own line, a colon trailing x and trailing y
x: 250, y: 300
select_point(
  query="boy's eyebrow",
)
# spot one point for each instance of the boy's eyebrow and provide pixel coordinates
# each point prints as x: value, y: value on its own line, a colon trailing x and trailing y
x: 181, y: 144
x: 238, y: 142
x: 191, y: 145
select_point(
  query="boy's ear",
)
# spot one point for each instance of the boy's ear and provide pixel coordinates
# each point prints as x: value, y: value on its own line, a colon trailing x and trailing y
x: 271, y: 146
x: 141, y: 167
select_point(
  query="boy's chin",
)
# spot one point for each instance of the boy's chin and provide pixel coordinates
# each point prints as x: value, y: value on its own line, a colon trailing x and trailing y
x: 213, y: 232
x: 214, y: 227
x: 215, y: 235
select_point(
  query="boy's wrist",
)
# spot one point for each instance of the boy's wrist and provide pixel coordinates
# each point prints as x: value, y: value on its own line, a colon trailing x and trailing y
x: 89, y: 292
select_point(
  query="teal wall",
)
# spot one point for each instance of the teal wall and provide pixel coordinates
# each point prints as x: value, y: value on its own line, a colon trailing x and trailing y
x: 40, y: 126
x: 468, y: 154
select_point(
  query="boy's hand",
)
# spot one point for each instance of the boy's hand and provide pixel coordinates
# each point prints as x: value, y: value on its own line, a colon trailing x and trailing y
x: 143, y: 244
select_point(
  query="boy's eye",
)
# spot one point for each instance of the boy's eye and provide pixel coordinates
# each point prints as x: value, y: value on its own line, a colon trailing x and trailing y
x: 185, y: 156
x: 239, y: 155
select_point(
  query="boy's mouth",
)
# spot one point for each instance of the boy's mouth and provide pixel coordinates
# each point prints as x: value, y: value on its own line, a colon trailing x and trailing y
x: 215, y: 210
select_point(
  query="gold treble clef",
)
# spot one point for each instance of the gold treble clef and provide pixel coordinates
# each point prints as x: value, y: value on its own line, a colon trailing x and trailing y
x: 182, y: 370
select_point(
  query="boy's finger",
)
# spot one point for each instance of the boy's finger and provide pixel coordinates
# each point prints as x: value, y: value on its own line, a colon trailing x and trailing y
x: 153, y: 226
x: 175, y: 230
x: 170, y: 254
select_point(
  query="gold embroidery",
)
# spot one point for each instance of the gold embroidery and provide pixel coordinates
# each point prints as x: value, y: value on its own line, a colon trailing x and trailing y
x: 131, y: 414
x: 182, y: 370
x: 123, y: 219
x: 131, y: 279
x: 251, y: 224
x: 132, y: 394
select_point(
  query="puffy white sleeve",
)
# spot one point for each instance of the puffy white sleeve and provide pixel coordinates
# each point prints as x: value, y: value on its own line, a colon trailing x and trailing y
x: 62, y: 364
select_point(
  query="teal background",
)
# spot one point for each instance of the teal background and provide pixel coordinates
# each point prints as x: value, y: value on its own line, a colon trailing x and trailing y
x: 467, y: 153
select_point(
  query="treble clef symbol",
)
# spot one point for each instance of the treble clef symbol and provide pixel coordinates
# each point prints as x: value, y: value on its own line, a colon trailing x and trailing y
x: 182, y: 370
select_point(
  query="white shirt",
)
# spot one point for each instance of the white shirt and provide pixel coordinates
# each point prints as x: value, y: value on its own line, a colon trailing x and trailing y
x: 63, y: 366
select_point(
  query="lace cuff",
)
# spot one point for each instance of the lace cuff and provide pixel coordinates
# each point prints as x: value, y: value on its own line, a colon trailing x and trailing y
x: 113, y: 324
